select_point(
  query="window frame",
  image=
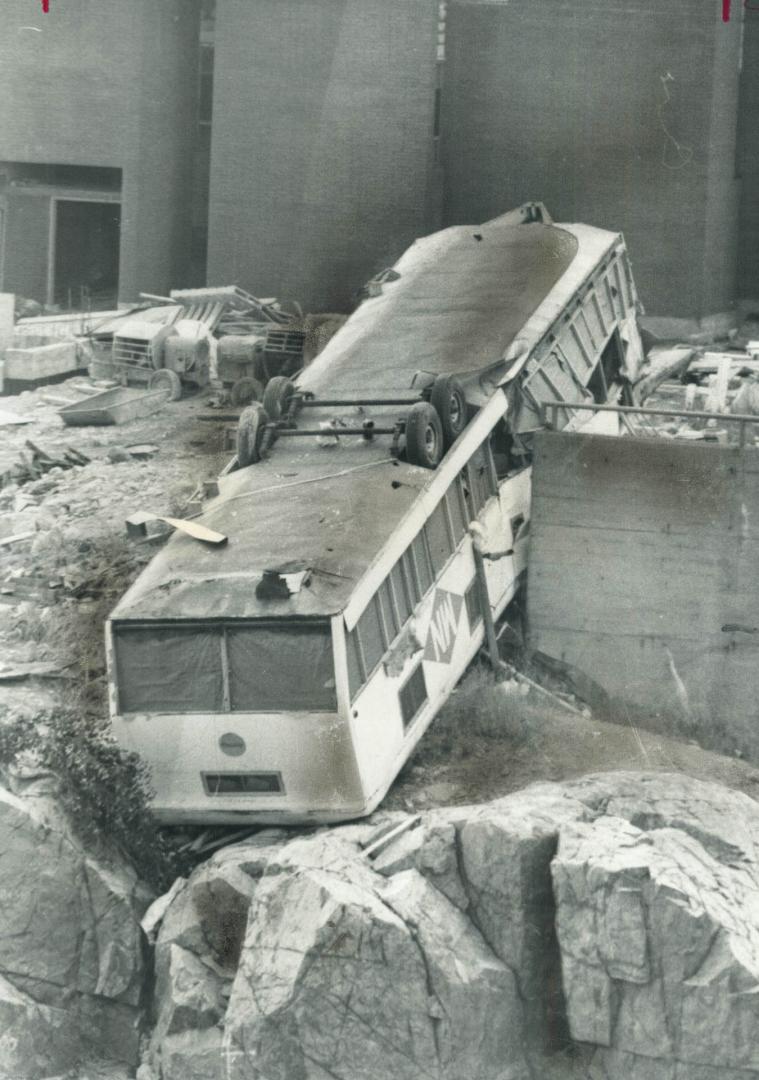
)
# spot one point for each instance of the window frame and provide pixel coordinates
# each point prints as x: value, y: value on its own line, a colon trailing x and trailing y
x: 220, y: 627
x: 417, y: 669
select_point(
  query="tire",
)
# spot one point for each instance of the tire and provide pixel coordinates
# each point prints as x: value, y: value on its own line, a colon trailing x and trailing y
x: 278, y: 395
x: 166, y: 379
x: 251, y: 429
x: 448, y: 398
x: 424, y: 436
x: 246, y: 390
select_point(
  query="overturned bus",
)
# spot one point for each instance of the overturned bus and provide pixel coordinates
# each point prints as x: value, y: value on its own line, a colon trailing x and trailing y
x: 287, y: 675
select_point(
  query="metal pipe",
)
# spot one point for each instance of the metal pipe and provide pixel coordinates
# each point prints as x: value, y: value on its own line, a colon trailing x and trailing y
x: 316, y: 403
x: 368, y: 432
x: 745, y: 418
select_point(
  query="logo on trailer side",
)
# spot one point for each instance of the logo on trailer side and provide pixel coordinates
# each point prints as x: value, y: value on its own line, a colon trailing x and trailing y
x: 441, y: 637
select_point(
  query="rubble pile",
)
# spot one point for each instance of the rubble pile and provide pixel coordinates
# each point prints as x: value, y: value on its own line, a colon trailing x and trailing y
x: 65, y: 495
x: 696, y: 381
x: 601, y: 928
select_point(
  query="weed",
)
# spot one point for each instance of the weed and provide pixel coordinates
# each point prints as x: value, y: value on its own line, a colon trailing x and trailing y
x: 104, y: 790
x: 482, y: 707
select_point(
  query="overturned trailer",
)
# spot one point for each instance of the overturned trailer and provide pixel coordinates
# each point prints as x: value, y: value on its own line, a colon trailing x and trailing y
x: 287, y: 675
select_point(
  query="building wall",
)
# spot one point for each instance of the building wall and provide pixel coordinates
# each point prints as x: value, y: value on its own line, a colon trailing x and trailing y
x: 748, y: 163
x: 643, y: 577
x: 107, y: 83
x: 618, y: 114
x: 322, y: 152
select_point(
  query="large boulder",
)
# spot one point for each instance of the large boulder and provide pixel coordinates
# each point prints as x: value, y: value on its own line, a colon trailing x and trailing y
x: 659, y: 940
x: 344, y: 975
x: 72, y: 957
x: 603, y: 928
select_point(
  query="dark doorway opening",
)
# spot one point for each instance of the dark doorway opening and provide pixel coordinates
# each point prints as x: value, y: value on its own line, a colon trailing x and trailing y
x: 607, y: 370
x: 86, y: 263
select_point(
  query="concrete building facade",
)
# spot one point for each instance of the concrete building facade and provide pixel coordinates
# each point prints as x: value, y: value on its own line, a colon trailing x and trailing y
x: 322, y: 153
x: 97, y: 96
x: 296, y: 147
x: 620, y: 114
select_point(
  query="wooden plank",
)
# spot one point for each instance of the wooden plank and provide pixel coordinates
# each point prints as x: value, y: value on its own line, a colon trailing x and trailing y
x: 195, y: 530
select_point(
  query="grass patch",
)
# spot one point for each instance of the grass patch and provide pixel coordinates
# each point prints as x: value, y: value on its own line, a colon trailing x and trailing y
x: 480, y: 708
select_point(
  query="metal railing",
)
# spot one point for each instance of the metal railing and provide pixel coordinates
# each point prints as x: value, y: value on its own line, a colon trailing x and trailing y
x: 550, y: 410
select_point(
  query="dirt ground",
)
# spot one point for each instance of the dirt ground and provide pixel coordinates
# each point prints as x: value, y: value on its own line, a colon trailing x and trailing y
x: 490, y: 739
x: 57, y: 585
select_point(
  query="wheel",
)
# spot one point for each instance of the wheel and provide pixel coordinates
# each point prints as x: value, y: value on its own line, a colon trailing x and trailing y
x: 245, y: 390
x: 251, y: 429
x: 424, y: 436
x: 166, y: 379
x: 448, y: 398
x: 278, y: 395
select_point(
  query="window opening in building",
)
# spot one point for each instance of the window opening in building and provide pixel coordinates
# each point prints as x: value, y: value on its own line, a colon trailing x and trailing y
x: 87, y: 241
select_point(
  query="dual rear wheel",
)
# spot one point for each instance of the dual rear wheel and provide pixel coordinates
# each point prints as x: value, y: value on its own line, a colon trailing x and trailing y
x: 433, y: 426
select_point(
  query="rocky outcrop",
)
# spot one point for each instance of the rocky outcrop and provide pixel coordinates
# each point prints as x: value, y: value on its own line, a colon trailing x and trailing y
x: 659, y: 943
x: 197, y: 952
x: 603, y: 928
x: 72, y: 960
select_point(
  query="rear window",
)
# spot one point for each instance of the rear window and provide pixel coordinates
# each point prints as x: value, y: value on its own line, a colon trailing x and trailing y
x: 273, y: 667
x: 168, y: 670
x: 240, y: 667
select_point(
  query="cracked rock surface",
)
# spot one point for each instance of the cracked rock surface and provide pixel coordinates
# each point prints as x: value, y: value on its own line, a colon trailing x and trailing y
x: 72, y: 962
x: 599, y: 929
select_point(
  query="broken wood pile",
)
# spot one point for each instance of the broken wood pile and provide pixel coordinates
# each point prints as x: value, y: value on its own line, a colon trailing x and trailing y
x: 706, y: 384
x: 33, y: 465
x: 239, y: 311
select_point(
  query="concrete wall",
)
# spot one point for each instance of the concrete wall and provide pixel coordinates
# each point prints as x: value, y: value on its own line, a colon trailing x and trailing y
x: 322, y: 146
x: 748, y: 162
x: 107, y: 83
x: 618, y: 114
x: 644, y: 575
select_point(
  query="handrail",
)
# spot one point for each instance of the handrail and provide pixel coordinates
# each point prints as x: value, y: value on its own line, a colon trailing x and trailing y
x: 550, y: 413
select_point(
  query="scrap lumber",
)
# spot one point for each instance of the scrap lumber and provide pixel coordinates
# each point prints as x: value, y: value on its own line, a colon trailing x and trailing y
x: 17, y: 538
x: 31, y: 466
x: 196, y: 531
x: 663, y: 364
x: 137, y: 523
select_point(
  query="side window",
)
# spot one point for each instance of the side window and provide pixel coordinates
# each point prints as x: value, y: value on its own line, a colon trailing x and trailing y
x: 385, y: 598
x: 370, y: 636
x: 402, y: 593
x: 411, y: 577
x: 413, y: 695
x: 480, y: 478
x: 438, y: 538
x: 356, y: 676
x: 422, y: 563
x: 473, y: 606
x: 455, y: 501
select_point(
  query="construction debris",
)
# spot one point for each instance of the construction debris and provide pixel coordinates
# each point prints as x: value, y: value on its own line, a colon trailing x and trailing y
x: 136, y: 525
x: 113, y: 406
x: 664, y: 364
x: 9, y: 418
x: 35, y: 464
